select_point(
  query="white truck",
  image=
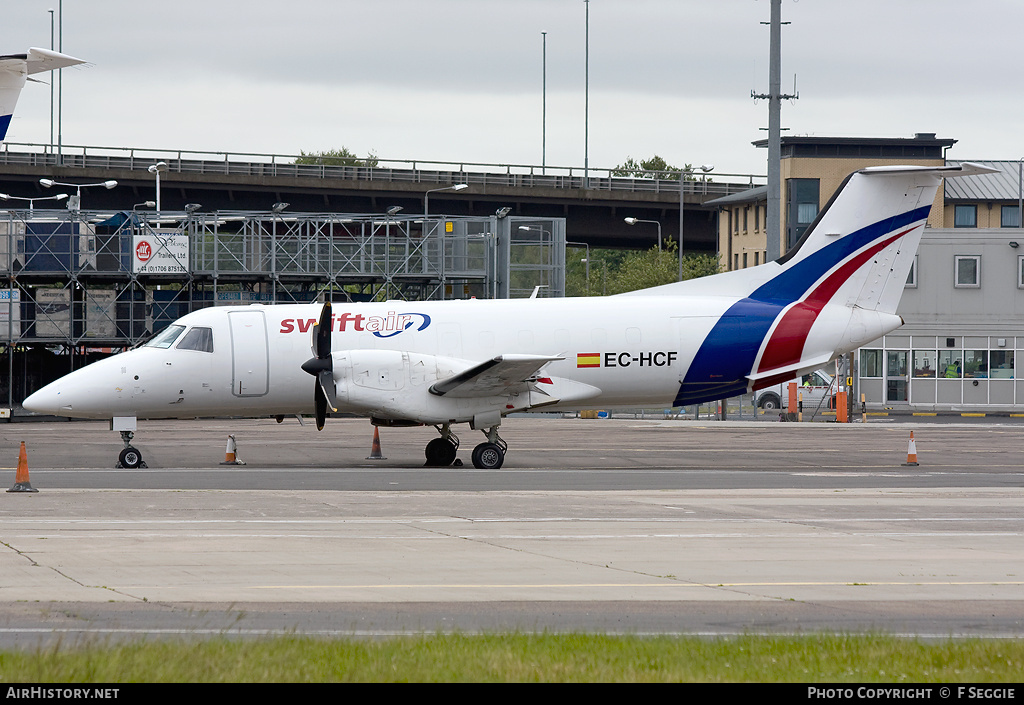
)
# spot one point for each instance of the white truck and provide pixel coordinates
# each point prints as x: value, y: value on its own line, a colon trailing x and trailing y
x: 814, y: 387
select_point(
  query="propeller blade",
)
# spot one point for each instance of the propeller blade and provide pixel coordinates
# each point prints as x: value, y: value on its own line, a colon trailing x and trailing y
x: 326, y: 381
x: 321, y: 366
x: 321, y: 406
x: 322, y: 333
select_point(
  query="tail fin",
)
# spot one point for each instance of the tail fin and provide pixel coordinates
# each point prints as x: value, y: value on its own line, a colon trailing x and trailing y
x: 15, y: 69
x: 835, y: 291
x: 859, y: 250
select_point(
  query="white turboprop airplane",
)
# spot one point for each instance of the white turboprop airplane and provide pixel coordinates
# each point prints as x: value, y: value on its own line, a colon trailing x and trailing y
x: 448, y: 362
x: 15, y: 70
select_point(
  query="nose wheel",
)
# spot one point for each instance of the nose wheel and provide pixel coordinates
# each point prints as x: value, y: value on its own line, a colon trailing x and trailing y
x: 131, y: 457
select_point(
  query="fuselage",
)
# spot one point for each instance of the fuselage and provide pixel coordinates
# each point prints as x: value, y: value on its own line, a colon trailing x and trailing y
x: 634, y: 351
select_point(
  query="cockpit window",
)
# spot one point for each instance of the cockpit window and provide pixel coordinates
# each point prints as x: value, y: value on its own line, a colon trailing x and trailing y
x: 198, y: 338
x: 166, y: 337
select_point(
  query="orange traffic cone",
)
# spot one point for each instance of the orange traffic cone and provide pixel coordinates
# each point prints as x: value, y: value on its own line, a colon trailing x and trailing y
x: 375, y: 449
x: 911, y: 452
x: 230, y: 453
x: 21, y: 483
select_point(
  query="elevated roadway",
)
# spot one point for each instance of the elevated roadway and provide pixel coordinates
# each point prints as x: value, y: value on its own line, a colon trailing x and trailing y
x: 594, y: 203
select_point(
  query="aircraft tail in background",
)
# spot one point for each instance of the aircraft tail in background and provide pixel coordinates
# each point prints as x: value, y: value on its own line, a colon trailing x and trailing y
x: 15, y: 70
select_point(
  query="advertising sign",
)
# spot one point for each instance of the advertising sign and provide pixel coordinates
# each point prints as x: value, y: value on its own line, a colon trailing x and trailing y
x: 160, y: 253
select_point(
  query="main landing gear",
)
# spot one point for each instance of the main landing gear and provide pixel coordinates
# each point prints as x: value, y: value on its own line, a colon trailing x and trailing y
x: 489, y: 455
x: 441, y: 451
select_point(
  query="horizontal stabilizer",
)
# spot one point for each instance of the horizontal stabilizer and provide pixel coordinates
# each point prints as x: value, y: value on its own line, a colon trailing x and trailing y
x: 15, y: 68
x: 37, y: 60
x: 491, y: 377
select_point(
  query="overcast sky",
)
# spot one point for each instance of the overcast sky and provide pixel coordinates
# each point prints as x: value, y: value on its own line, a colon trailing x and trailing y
x: 461, y: 80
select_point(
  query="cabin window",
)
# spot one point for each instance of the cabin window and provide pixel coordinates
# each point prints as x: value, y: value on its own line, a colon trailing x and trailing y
x: 198, y: 338
x: 166, y: 337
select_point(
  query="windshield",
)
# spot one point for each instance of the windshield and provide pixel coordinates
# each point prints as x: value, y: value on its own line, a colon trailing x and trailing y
x: 165, y: 337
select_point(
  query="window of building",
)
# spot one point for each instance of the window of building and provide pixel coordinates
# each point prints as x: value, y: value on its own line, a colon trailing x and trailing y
x: 870, y: 362
x: 924, y: 363
x: 967, y: 271
x: 802, y: 207
x: 1001, y: 364
x: 912, y: 275
x: 951, y: 364
x: 965, y: 217
x: 1020, y: 271
x: 198, y: 338
x: 975, y: 363
x: 1010, y: 217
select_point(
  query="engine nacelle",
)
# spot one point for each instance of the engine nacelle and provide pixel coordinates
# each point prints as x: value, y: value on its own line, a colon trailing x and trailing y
x: 392, y: 384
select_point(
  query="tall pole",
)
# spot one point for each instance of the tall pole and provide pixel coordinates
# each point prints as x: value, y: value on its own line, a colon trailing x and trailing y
x: 60, y: 91
x: 544, y: 105
x: 682, y: 212
x: 775, y: 133
x: 52, y: 48
x: 775, y: 98
x: 586, y: 103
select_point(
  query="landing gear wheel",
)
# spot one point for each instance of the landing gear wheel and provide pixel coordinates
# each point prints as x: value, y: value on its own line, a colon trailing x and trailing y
x: 440, y: 452
x: 130, y: 458
x: 488, y: 456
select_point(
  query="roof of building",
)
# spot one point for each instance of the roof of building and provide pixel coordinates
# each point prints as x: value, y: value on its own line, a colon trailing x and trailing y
x: 923, y: 145
x: 1003, y: 185
x: 758, y: 193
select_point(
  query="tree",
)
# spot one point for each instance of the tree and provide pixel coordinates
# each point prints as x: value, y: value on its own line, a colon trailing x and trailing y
x: 618, y: 271
x: 653, y: 168
x: 336, y: 157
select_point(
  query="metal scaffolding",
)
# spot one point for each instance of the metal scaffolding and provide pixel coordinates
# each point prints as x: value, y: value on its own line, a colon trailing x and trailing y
x: 80, y: 284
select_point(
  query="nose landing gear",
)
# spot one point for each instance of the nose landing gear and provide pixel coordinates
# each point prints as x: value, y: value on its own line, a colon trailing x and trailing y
x: 130, y: 457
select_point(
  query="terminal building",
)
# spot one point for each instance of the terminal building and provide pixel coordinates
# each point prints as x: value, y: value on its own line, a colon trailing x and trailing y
x: 964, y: 300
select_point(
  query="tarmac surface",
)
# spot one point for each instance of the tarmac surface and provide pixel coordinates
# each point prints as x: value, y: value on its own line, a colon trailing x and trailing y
x: 599, y: 525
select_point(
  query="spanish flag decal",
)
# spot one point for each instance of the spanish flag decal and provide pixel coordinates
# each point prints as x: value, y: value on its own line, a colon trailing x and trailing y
x: 588, y: 359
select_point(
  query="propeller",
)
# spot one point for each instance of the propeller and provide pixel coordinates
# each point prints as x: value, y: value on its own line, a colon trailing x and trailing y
x: 321, y: 366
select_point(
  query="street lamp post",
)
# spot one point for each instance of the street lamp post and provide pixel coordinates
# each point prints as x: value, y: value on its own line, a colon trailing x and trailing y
x: 74, y: 203
x: 634, y: 221
x: 426, y: 196
x: 440, y: 235
x: 157, y: 169
x: 585, y: 260
x: 682, y: 207
x: 32, y: 201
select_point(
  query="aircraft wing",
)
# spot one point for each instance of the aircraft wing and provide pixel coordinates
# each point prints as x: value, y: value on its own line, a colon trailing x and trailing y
x: 492, y: 377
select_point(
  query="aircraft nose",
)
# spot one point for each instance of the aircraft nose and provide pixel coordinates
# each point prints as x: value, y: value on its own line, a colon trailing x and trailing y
x: 45, y: 401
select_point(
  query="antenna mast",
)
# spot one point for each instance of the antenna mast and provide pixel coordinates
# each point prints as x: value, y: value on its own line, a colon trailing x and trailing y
x: 775, y: 98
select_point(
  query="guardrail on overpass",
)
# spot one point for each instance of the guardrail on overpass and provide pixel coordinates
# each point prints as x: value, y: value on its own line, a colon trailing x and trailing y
x: 250, y: 164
